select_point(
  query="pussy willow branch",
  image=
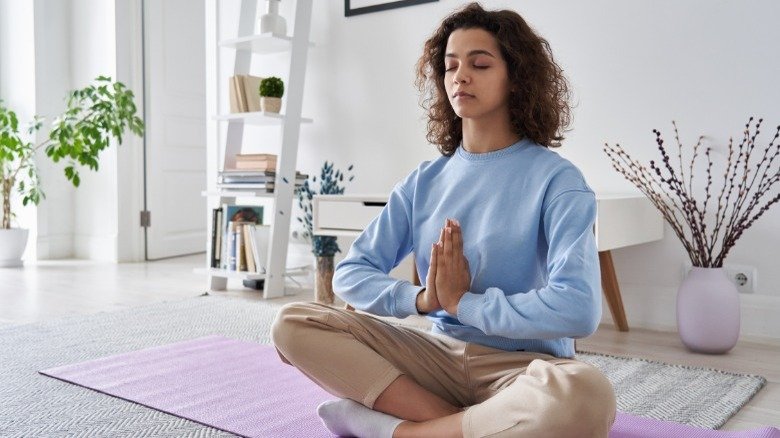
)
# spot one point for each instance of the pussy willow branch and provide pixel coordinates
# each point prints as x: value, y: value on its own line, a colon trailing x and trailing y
x: 670, y: 193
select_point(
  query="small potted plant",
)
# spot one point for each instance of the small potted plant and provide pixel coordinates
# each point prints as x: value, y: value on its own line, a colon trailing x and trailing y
x: 95, y: 114
x: 271, y: 92
x: 323, y: 247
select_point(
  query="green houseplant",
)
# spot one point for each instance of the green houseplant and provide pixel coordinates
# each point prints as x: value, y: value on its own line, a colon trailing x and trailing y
x: 95, y: 114
x: 271, y: 92
x: 323, y: 247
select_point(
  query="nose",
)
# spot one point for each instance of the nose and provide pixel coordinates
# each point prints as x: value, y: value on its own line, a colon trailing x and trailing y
x: 460, y: 76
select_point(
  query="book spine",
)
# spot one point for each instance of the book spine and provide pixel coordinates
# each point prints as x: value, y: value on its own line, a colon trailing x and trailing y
x: 253, y: 244
x: 218, y: 245
x: 250, y: 260
x: 240, y: 248
x: 232, y: 246
x: 214, y: 234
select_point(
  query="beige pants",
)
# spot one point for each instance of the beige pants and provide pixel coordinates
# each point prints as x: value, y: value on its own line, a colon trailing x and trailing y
x: 508, y: 393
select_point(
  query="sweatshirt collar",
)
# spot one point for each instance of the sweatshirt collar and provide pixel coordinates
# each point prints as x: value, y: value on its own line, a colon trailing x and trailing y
x: 492, y: 155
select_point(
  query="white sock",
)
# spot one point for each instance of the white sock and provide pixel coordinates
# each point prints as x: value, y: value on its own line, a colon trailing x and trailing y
x: 345, y: 417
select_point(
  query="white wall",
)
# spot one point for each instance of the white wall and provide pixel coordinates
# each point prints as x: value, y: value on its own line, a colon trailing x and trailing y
x: 634, y: 66
x: 52, y: 83
x: 93, y: 52
x: 17, y: 88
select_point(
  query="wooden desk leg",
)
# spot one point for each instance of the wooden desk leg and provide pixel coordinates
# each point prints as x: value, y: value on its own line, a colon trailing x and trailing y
x: 612, y: 290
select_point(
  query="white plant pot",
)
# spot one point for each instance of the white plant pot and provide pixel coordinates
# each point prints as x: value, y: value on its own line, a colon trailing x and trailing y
x: 271, y: 104
x: 12, y: 244
x: 271, y: 21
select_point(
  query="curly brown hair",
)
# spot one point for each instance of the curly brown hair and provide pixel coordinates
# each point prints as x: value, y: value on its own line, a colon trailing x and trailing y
x: 539, y: 108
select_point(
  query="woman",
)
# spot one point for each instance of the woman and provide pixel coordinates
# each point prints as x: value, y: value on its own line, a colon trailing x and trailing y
x: 501, y: 228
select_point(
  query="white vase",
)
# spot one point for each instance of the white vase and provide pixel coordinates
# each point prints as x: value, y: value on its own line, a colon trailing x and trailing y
x: 708, y: 311
x: 12, y: 244
x: 271, y: 21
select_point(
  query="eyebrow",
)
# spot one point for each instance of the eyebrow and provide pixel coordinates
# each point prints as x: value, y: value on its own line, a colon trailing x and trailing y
x: 471, y: 53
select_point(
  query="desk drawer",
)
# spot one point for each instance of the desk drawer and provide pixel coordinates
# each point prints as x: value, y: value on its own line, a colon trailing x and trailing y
x: 353, y: 215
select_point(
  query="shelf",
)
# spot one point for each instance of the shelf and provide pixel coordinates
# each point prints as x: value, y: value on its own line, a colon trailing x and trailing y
x: 257, y: 118
x: 261, y: 43
x: 290, y: 271
x: 335, y: 232
x: 241, y: 275
x: 238, y: 194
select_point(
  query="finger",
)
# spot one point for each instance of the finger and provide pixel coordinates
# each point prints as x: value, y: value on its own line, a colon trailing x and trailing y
x: 457, y: 240
x: 448, y: 254
x: 441, y: 235
x: 434, y: 261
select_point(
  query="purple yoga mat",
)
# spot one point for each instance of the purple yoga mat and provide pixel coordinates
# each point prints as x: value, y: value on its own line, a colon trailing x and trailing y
x: 242, y: 387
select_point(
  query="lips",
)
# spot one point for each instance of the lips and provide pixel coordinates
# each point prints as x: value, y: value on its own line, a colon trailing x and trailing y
x: 461, y: 94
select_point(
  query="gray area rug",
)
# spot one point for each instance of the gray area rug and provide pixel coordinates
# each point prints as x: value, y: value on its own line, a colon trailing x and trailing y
x: 35, y: 406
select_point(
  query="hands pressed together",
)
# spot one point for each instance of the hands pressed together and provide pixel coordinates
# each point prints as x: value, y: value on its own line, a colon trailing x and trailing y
x: 448, y: 276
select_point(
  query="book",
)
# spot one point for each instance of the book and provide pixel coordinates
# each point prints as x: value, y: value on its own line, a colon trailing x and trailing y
x: 243, y: 157
x: 252, y: 91
x: 241, y: 94
x: 235, y: 105
x: 250, y: 259
x: 218, y: 245
x: 240, y: 247
x: 256, y: 165
x: 231, y: 251
x: 215, y: 233
x: 261, y: 235
x: 244, y: 213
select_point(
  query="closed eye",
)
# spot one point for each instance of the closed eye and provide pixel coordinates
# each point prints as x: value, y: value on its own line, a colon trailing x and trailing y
x: 481, y: 67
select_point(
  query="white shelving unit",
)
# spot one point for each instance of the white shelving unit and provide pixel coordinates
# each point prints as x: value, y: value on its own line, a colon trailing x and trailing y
x: 245, y: 45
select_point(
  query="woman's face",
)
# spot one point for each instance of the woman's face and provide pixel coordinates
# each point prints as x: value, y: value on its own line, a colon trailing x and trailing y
x: 473, y: 64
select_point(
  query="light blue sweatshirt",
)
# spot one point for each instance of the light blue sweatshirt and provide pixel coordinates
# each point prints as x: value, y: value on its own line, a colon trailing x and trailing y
x: 527, y: 217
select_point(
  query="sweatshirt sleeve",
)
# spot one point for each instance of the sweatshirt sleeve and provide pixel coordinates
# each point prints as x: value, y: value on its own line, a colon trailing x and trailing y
x: 361, y: 278
x: 569, y: 305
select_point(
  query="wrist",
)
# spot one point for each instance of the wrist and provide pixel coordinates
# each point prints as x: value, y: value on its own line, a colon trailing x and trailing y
x: 420, y: 302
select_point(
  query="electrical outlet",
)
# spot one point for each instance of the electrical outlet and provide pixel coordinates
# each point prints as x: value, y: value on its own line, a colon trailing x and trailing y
x: 744, y: 277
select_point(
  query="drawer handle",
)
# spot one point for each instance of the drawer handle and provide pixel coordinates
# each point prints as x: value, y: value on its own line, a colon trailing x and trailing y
x: 374, y: 204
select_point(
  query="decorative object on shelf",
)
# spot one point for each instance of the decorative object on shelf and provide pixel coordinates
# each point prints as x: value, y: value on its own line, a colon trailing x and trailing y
x: 271, y: 92
x: 707, y: 302
x: 95, y: 114
x: 323, y: 247
x: 271, y: 21
x: 378, y: 6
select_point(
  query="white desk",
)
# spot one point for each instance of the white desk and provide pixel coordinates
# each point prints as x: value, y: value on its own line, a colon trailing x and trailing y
x: 621, y: 220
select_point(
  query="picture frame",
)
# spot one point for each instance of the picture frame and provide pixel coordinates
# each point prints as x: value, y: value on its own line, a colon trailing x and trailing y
x: 358, y: 7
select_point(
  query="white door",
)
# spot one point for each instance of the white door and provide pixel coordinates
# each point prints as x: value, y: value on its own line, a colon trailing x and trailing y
x: 175, y: 105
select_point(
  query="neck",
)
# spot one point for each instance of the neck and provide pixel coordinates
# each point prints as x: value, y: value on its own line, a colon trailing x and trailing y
x: 481, y: 135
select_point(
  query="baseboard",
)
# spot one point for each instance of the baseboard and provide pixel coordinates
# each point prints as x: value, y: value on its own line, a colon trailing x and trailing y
x: 654, y: 308
x: 55, y: 246
x: 98, y: 248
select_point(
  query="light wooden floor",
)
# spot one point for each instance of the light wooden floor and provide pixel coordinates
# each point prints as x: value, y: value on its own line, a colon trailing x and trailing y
x: 51, y: 289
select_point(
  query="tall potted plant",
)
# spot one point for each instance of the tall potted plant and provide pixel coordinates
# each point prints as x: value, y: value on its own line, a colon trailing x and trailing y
x: 324, y: 248
x: 271, y: 92
x: 94, y: 115
x: 708, y: 302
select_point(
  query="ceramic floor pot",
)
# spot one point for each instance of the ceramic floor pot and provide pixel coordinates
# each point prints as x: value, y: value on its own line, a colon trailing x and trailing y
x: 12, y: 244
x: 708, y: 311
x: 323, y: 284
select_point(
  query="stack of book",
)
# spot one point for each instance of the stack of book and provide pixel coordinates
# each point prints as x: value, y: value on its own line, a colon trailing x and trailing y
x: 244, y: 93
x: 239, y: 240
x: 255, y: 172
x: 255, y: 180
